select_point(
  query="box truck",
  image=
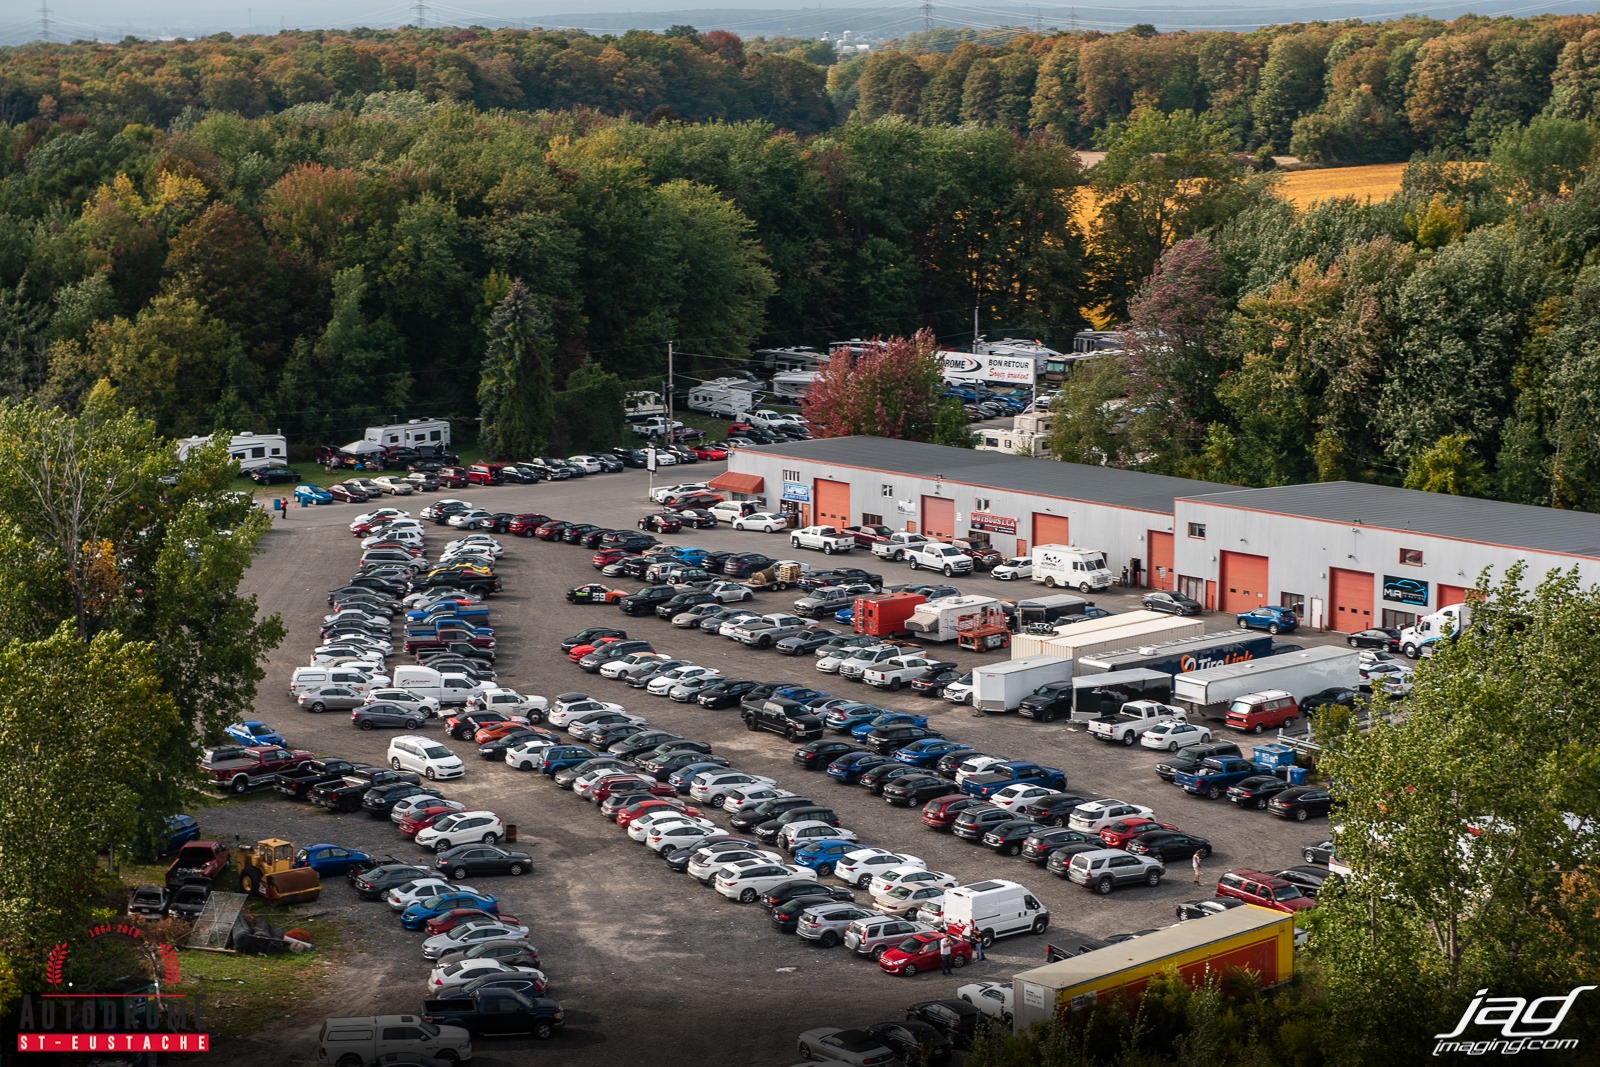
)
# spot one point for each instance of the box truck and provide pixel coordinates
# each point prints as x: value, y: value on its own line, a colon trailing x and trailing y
x: 1001, y: 687
x: 885, y: 614
x: 1075, y: 568
x: 1208, y: 693
x: 937, y: 620
x: 1180, y: 657
x: 1033, y: 644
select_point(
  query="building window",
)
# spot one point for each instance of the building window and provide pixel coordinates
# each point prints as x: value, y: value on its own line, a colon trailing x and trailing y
x: 871, y: 520
x: 1398, y: 620
x: 886, y: 490
x: 1295, y: 602
x: 1198, y: 530
x: 1411, y: 557
x: 980, y: 503
x: 791, y: 476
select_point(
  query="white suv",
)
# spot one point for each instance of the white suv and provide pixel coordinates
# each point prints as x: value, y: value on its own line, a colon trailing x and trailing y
x: 462, y: 828
x: 426, y: 756
x: 1096, y: 815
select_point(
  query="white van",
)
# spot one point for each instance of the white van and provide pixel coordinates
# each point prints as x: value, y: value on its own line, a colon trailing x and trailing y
x: 354, y: 1041
x: 305, y: 679
x: 729, y: 510
x: 996, y: 908
x: 428, y: 757
x: 1070, y: 568
x: 449, y: 690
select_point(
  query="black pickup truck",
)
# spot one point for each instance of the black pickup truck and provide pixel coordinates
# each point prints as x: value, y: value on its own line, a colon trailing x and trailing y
x: 346, y: 793
x: 790, y: 718
x: 496, y: 1011
x: 298, y: 782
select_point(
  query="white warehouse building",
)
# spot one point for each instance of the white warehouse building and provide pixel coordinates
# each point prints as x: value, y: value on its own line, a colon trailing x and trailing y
x: 1347, y: 556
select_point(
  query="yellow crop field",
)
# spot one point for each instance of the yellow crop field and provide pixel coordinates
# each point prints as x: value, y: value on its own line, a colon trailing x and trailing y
x: 1302, y: 188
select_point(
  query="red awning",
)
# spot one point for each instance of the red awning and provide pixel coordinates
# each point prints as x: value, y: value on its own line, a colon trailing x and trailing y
x: 743, y: 484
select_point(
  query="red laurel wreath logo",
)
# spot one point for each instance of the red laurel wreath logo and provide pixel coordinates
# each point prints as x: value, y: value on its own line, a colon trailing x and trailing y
x: 55, y: 964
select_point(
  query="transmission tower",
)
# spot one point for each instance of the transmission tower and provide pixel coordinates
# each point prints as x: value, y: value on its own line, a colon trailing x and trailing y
x: 1073, y: 16
x: 1038, y: 21
x: 44, y: 19
x: 927, y: 15
x: 421, y: 8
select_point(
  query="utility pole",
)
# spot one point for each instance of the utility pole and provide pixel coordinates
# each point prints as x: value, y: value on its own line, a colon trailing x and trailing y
x: 927, y: 15
x: 1038, y: 22
x: 1073, y: 20
x: 976, y: 336
x: 671, y: 382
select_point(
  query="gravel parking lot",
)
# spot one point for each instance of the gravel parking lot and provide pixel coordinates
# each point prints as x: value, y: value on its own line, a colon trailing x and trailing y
x: 649, y: 966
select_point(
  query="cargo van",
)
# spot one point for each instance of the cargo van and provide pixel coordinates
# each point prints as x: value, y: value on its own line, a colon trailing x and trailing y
x: 996, y: 908
x: 362, y: 1039
x: 305, y: 679
x: 1070, y: 568
x: 448, y: 689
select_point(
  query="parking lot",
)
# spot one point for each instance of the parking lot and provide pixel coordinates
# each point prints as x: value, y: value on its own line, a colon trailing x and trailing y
x: 650, y: 966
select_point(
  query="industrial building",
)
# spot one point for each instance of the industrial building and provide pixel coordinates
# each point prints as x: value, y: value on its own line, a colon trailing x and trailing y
x: 1347, y: 556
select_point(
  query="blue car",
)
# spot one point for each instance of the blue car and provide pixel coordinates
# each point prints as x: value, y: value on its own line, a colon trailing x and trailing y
x: 802, y: 694
x: 845, y: 616
x: 821, y: 856
x: 848, y: 716
x: 416, y: 916
x: 689, y: 554
x: 680, y: 778
x: 852, y: 765
x: 559, y: 756
x: 312, y: 494
x: 888, y: 718
x: 179, y: 831
x: 331, y: 859
x: 450, y: 609
x: 1273, y: 619
x: 255, y: 732
x: 929, y: 751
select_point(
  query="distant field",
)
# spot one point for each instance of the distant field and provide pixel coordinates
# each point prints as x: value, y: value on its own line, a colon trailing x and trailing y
x: 1302, y: 188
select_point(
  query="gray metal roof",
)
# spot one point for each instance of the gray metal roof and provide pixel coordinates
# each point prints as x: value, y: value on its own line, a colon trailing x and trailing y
x: 1463, y: 518
x: 997, y: 470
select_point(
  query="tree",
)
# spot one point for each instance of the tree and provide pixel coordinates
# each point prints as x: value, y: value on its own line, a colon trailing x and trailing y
x: 893, y: 390
x: 516, y: 389
x: 1448, y: 467
x: 589, y: 411
x: 1086, y: 413
x: 1543, y: 158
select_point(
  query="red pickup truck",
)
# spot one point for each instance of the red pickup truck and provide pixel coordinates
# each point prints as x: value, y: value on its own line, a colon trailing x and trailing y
x: 238, y: 769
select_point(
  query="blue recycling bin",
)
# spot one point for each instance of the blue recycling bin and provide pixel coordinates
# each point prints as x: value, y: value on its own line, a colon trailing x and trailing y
x: 1298, y: 775
x: 1273, y: 755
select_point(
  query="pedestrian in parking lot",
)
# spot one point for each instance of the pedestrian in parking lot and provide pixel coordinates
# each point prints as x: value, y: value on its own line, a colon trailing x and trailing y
x: 1195, y: 863
x: 975, y: 939
x: 944, y: 954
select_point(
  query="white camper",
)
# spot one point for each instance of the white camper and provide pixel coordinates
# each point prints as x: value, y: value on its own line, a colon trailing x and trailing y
x: 418, y: 433
x: 252, y: 450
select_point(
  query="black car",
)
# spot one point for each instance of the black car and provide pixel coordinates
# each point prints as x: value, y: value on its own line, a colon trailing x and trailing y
x: 1382, y: 637
x: 1055, y: 809
x: 1310, y: 879
x: 1008, y: 838
x: 1167, y: 845
x: 712, y: 562
x: 839, y: 576
x: 915, y: 789
x: 816, y: 755
x: 1185, y: 760
x: 744, y: 564
x: 381, y: 799
x: 913, y: 1041
x: 663, y: 768
x: 1324, y: 698
x: 630, y: 541
x: 769, y: 809
x: 1038, y: 846
x: 1301, y: 802
x: 956, y: 1019
x: 466, y: 861
x: 189, y: 899
x: 605, y: 737
x: 373, y: 884
x: 725, y: 694
x: 1256, y: 790
x: 645, y: 601
x: 697, y: 518
x: 593, y: 538
x: 1171, y: 603
x: 978, y: 820
x: 893, y: 738
x: 786, y: 916
x: 274, y: 475
x: 1061, y: 856
x: 495, y: 750
x: 632, y: 457
x: 682, y: 602
x: 1321, y: 852
x: 640, y: 743
x: 671, y: 748
x: 573, y: 534
x: 876, y: 778
x: 808, y: 642
x: 784, y: 892
x: 591, y: 635
x: 933, y: 684
x: 1199, y: 909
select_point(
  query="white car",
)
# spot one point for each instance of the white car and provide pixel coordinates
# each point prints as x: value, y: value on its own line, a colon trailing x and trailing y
x: 857, y: 868
x: 639, y: 829
x: 886, y: 881
x: 835, y: 663
x: 470, y: 932
x: 584, y: 785
x: 461, y: 828
x: 329, y: 655
x: 662, y: 683
x: 402, y: 897
x: 395, y: 486
x: 681, y: 834
x: 631, y: 664
x: 481, y: 544
x: 991, y: 998
x: 563, y: 712
x: 795, y: 834
x: 1096, y: 815
x: 704, y: 864
x: 765, y: 521
x: 527, y: 755
x: 977, y: 765
x: 1174, y: 735
x: 960, y: 690
x: 712, y: 787
x: 1016, y: 796
x: 661, y: 493
x: 741, y: 798
x: 1017, y: 568
x: 587, y: 464
x: 746, y: 880
x: 907, y: 902
x: 406, y: 698
x: 422, y: 800
x: 729, y: 592
x: 467, y: 519
x: 459, y: 972
x: 372, y: 518
x: 582, y: 726
x: 410, y: 538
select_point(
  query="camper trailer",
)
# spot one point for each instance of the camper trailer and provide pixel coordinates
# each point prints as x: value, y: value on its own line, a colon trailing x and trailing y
x: 728, y: 398
x: 793, y: 384
x: 636, y: 407
x: 421, y: 434
x: 252, y: 450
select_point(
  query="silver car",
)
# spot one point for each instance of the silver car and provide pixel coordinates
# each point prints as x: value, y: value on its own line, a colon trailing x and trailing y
x: 877, y: 934
x: 827, y: 923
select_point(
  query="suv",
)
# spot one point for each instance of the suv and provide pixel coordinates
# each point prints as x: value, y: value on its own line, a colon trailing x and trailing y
x: 1105, y: 869
x: 873, y: 937
x: 486, y: 474
x: 1260, y: 711
x: 1271, y: 618
x: 1263, y: 890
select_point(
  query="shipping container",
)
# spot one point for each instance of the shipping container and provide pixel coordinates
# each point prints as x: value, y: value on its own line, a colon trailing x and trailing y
x: 885, y: 614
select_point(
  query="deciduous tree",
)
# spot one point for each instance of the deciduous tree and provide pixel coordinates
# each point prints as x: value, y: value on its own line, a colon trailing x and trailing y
x: 892, y: 390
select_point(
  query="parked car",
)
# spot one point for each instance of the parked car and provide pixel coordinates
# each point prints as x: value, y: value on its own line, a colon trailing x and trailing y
x: 1171, y: 603
x: 1271, y: 618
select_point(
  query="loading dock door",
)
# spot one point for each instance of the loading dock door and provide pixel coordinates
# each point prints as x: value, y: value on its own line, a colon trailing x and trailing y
x: 1243, y: 581
x: 1160, y: 574
x: 1050, y: 530
x: 1451, y: 594
x: 939, y: 517
x: 1349, y: 600
x: 832, y: 505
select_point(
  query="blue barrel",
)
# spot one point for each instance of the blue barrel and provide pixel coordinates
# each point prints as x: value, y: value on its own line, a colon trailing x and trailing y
x: 1298, y: 775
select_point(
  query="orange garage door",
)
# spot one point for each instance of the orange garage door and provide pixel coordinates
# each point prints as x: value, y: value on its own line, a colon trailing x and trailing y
x: 832, y: 502
x: 1050, y: 530
x: 939, y: 517
x: 1349, y: 600
x: 1244, y: 581
x: 1451, y: 594
x: 1159, y: 575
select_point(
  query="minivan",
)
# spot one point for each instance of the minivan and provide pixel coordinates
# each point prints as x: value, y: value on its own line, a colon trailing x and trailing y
x: 425, y: 755
x: 1272, y: 709
x: 364, y: 1038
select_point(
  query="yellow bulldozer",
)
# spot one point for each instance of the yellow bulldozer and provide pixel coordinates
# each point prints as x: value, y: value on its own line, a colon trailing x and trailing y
x: 267, y: 870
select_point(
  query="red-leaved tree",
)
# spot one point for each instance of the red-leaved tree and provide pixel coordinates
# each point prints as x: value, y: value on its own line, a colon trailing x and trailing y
x: 894, y: 389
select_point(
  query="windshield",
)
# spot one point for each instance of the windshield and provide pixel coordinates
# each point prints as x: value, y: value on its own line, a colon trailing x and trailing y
x: 437, y: 752
x: 1287, y: 892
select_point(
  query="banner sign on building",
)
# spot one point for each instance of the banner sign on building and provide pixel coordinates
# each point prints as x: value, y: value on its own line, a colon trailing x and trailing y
x: 800, y: 494
x: 1000, y: 524
x: 1405, y: 590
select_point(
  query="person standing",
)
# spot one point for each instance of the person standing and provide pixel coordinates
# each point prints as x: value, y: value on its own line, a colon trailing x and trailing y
x: 1195, y: 863
x: 944, y: 954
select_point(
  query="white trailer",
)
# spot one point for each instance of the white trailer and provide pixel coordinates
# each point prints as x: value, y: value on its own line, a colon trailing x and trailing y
x: 726, y: 397
x: 253, y: 451
x: 1070, y: 567
x: 1167, y: 628
x: 642, y: 405
x: 417, y: 433
x: 1034, y: 644
x: 1208, y: 692
x: 938, y: 620
x: 793, y: 385
x: 1001, y: 686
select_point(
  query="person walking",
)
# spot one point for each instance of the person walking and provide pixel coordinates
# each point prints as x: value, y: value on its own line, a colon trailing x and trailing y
x: 944, y: 954
x: 1195, y: 863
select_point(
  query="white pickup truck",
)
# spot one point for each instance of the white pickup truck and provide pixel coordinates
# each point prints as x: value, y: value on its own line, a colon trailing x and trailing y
x: 656, y: 426
x: 1135, y: 718
x: 893, y: 673
x: 826, y: 539
x: 896, y: 545
x: 934, y: 556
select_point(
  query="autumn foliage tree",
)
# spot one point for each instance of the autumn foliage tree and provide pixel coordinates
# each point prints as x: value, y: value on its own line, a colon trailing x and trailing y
x: 894, y: 389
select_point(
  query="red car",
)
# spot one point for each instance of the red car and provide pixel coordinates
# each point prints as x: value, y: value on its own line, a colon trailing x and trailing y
x: 453, y: 477
x: 552, y: 530
x: 524, y: 525
x: 583, y: 650
x: 607, y: 556
x: 422, y: 818
x: 493, y: 731
x: 709, y: 451
x: 606, y: 789
x: 920, y: 952
x: 644, y: 807
x: 403, y: 546
x: 694, y: 500
x: 661, y: 523
x: 445, y: 923
x: 940, y: 812
x: 1120, y: 833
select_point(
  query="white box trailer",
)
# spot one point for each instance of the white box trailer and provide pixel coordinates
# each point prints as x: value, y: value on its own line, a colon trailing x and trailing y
x: 1033, y: 644
x: 938, y: 620
x: 1000, y: 687
x: 1167, y: 628
x: 253, y: 451
x: 1207, y: 693
x: 417, y: 433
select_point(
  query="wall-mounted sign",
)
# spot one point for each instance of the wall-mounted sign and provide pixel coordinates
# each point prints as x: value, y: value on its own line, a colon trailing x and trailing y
x: 1001, y: 524
x: 1405, y: 590
x: 906, y: 507
x: 800, y: 494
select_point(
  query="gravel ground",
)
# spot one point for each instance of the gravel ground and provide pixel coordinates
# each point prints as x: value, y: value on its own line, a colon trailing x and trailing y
x: 649, y: 966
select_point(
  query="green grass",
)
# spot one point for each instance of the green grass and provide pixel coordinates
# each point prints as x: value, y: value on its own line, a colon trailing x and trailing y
x: 242, y: 994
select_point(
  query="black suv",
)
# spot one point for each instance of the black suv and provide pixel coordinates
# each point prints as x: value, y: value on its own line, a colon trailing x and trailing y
x: 644, y: 602
x: 978, y: 820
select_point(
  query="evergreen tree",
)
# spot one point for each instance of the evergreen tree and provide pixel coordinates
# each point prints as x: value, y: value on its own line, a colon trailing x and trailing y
x: 516, y: 391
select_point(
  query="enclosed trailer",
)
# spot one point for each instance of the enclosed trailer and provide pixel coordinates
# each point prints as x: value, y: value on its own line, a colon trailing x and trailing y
x: 1207, y: 693
x: 1033, y: 644
x: 885, y: 614
x: 1000, y: 687
x: 1179, y: 657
